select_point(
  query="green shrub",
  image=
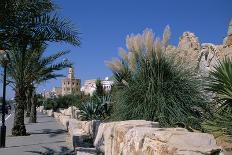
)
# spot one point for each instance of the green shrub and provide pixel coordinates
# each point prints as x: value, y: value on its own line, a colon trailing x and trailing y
x: 49, y: 104
x: 98, y: 108
x: 220, y: 82
x: 65, y: 101
x: 152, y: 85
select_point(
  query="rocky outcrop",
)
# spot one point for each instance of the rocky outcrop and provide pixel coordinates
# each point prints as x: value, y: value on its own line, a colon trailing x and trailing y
x: 228, y: 39
x: 189, y: 41
x: 187, y: 51
x: 209, y: 56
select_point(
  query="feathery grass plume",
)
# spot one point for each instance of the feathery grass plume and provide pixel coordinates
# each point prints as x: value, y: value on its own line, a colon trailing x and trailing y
x: 148, y: 40
x: 129, y: 43
x: 138, y: 44
x: 122, y: 53
x: 158, y: 49
x: 166, y: 36
x: 116, y: 65
x: 132, y: 62
x: 135, y: 44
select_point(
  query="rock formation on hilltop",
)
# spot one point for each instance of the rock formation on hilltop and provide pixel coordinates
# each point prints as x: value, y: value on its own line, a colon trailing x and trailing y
x: 201, y: 57
x: 228, y: 39
x: 189, y: 41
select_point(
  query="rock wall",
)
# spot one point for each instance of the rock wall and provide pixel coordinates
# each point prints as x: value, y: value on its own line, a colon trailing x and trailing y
x: 132, y: 137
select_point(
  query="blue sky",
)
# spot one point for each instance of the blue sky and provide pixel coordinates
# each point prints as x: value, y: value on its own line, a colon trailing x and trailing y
x: 104, y: 25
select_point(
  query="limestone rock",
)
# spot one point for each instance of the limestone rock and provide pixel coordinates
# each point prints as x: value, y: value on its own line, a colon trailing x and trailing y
x: 187, y: 52
x: 44, y: 112
x: 228, y: 39
x: 68, y: 112
x: 64, y: 120
x: 94, y: 125
x: 209, y: 56
x: 79, y: 133
x: 189, y: 41
x: 86, y: 151
x: 40, y: 108
x: 56, y: 115
x: 110, y: 135
x: 50, y: 113
x: 162, y: 141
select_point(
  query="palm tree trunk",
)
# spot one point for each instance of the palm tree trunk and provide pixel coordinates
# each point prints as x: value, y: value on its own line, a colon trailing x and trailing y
x: 19, y: 128
x: 33, y: 117
x: 28, y: 98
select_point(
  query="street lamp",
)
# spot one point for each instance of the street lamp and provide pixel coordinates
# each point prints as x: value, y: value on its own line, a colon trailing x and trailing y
x: 4, y: 62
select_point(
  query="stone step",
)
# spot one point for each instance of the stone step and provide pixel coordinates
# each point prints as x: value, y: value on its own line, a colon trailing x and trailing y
x: 86, y: 151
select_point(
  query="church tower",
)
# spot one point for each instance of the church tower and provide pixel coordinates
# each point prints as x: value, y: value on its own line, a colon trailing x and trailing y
x: 71, y: 73
x: 70, y: 85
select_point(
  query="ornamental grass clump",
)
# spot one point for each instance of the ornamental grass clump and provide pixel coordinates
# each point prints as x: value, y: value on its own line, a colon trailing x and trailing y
x: 152, y: 85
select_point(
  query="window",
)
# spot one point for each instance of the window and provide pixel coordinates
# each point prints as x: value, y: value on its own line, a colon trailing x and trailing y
x: 73, y: 83
x: 68, y: 83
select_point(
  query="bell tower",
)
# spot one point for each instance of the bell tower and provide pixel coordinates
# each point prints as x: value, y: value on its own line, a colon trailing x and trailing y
x: 70, y: 73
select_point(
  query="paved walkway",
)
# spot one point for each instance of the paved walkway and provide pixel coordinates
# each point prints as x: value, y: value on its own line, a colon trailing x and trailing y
x: 46, y: 137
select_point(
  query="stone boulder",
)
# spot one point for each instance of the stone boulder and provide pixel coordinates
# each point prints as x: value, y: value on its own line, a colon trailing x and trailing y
x: 56, y: 115
x: 79, y: 133
x: 110, y: 135
x: 68, y: 112
x: 94, y: 125
x: 40, y: 108
x: 50, y: 113
x: 44, y: 112
x: 76, y: 114
x: 162, y: 141
x: 64, y: 120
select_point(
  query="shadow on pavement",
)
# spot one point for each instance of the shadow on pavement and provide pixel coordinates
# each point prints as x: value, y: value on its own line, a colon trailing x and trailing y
x: 63, y: 151
x: 35, y: 144
x: 50, y: 132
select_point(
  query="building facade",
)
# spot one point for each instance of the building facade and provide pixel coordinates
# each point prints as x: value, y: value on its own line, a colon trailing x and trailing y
x: 55, y: 92
x: 70, y: 85
x: 89, y: 86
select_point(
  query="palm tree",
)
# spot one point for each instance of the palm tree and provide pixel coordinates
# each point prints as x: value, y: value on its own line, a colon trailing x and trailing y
x: 42, y: 69
x: 30, y: 23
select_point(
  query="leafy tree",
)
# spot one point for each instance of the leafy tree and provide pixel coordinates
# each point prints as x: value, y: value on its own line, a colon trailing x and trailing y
x: 99, y: 88
x: 152, y: 85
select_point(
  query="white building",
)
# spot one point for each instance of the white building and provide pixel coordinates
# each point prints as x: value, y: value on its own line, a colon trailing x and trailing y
x: 90, y: 85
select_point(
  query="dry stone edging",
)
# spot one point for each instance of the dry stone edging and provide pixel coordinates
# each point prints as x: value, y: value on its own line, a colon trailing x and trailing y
x: 132, y: 137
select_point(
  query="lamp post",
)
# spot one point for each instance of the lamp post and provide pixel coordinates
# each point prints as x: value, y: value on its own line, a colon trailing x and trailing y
x: 4, y: 62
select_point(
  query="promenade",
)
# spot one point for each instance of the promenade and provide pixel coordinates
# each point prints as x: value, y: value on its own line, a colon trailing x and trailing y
x: 45, y: 137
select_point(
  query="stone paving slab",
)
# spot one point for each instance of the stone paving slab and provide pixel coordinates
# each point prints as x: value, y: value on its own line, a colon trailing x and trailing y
x: 46, y: 137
